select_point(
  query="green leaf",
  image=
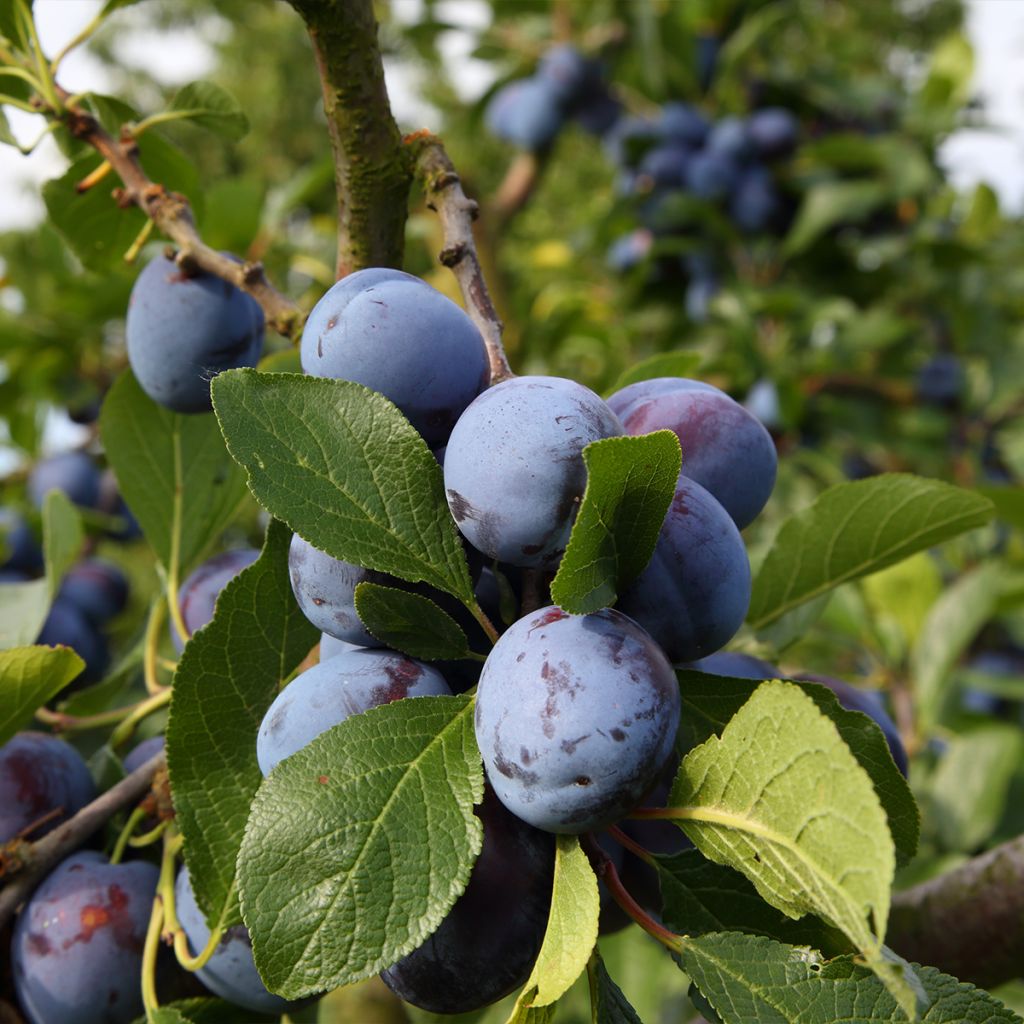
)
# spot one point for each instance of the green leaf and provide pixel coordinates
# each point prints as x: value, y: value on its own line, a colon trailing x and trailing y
x: 700, y: 896
x: 23, y: 608
x: 200, y: 1010
x: 11, y: 26
x: 829, y: 204
x: 410, y: 623
x: 709, y: 703
x: 346, y: 471
x: 173, y: 470
x: 358, y: 845
x: 211, y: 107
x: 968, y: 791
x: 62, y: 537
x: 800, y: 820
x: 854, y: 529
x: 1009, y: 504
x: 7, y: 137
x: 609, y: 1005
x: 571, y: 933
x: 168, y: 1015
x: 664, y: 364
x: 229, y: 674
x: 749, y: 978
x: 29, y: 677
x: 630, y: 484
x: 951, y: 625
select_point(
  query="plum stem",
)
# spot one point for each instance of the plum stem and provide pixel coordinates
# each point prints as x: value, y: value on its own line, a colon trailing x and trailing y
x: 134, y: 820
x: 626, y: 840
x: 139, y: 712
x: 606, y: 872
x: 151, y: 642
x: 485, y: 623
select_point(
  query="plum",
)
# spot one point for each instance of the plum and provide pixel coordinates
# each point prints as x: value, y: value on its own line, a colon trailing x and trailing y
x: 528, y: 113
x: 575, y: 715
x: 182, y: 330
x: 683, y: 123
x: 773, y: 131
x: 39, y: 775
x: 73, y: 473
x: 735, y: 665
x: 754, y: 205
x: 66, y: 625
x: 725, y: 448
x: 197, y: 596
x: 693, y: 595
x: 330, y: 646
x: 77, y: 948
x: 569, y: 75
x: 514, y: 471
x: 98, y: 589
x: 142, y: 752
x: 487, y: 944
x: 393, y: 333
x: 18, y: 546
x: 665, y: 165
x: 331, y: 691
x: 231, y: 972
x: 730, y: 137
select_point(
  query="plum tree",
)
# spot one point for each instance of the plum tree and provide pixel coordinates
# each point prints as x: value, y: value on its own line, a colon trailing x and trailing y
x: 514, y: 471
x: 182, y: 330
x: 346, y: 684
x: 486, y: 945
x: 694, y: 593
x: 65, y: 624
x: 575, y: 715
x: 77, y: 948
x: 231, y: 971
x: 725, y: 449
x: 198, y: 594
x: 43, y: 782
x: 98, y: 589
x: 395, y: 334
x: 73, y: 473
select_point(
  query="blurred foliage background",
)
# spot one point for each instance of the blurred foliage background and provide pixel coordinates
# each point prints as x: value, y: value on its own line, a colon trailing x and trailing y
x: 833, y: 328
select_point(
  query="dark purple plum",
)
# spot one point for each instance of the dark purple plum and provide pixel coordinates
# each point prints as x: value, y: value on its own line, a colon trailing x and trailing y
x: 575, y: 715
x: 19, y: 548
x: 569, y: 75
x: 183, y: 330
x: 725, y: 448
x: 514, y: 470
x: 486, y: 946
x: 526, y: 113
x: 198, y: 595
x: 870, y: 703
x: 142, y: 752
x: 73, y: 473
x: 711, y: 175
x: 326, y: 694
x: 736, y: 665
x: 774, y: 132
x: 597, y: 112
x: 98, y: 589
x: 754, y: 205
x: 693, y: 595
x: 231, y: 972
x: 40, y: 774
x: 941, y: 381
x: 683, y: 123
x: 66, y: 625
x: 629, y: 138
x: 665, y: 165
x: 77, y: 948
x: 393, y: 333
x: 730, y: 137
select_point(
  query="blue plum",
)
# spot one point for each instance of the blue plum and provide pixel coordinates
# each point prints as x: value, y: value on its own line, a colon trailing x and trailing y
x: 755, y: 205
x: 77, y: 947
x: 629, y: 138
x: 40, y: 775
x: 74, y: 473
x: 630, y: 250
x: 575, y: 715
x: 66, y: 625
x: 98, y: 589
x: 326, y: 694
x: 142, y: 752
x: 487, y: 944
x: 736, y: 665
x: 528, y: 113
x: 514, y: 471
x: 597, y: 112
x: 231, y: 972
x: 680, y: 121
x: 773, y: 131
x: 18, y: 545
x: 730, y: 137
x: 725, y: 448
x: 198, y: 595
x: 665, y: 165
x: 694, y: 593
x: 330, y: 646
x: 712, y: 175
x: 395, y: 334
x: 569, y: 75
x: 941, y: 381
x: 183, y: 330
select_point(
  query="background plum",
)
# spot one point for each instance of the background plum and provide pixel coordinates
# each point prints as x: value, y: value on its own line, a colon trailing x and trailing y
x: 77, y: 947
x: 74, y: 473
x: 183, y: 330
x: 198, y: 595
x: 487, y: 944
x: 526, y: 113
x: 514, y: 471
x: 19, y: 549
x: 142, y: 752
x: 40, y: 774
x: 693, y: 595
x: 98, y: 589
x: 725, y: 448
x: 327, y: 693
x: 65, y: 624
x: 575, y: 715
x: 395, y: 334
x: 735, y: 664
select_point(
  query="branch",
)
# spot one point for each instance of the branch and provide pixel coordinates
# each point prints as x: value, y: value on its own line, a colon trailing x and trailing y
x: 39, y: 857
x: 172, y: 214
x: 371, y: 172
x: 443, y: 190
x: 968, y: 922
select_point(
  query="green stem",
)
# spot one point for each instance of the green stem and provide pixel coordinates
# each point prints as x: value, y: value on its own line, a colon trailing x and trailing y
x: 11, y: 101
x: 46, y: 86
x: 156, y: 922
x: 485, y: 623
x: 150, y: 837
x: 141, y: 711
x: 25, y: 75
x: 172, y: 927
x: 624, y: 839
x: 176, y: 519
x: 134, y: 820
x: 149, y: 654
x: 82, y: 36
x: 83, y: 723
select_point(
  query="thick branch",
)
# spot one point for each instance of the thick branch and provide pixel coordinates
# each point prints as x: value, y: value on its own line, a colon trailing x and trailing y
x: 171, y: 213
x: 968, y: 922
x: 371, y: 172
x: 443, y: 190
x: 39, y: 857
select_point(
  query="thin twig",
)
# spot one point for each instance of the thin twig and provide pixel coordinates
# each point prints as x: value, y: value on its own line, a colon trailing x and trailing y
x: 38, y: 858
x: 444, y: 194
